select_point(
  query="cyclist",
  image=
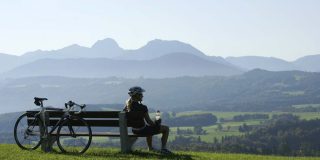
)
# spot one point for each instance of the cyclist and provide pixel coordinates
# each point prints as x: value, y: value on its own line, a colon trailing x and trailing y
x: 133, y: 104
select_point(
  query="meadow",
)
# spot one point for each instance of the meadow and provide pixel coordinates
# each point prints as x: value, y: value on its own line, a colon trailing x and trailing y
x: 12, y: 152
x: 232, y: 128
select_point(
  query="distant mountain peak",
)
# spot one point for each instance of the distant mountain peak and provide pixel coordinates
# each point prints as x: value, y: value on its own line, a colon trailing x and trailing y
x: 106, y: 43
x: 157, y: 47
x: 160, y: 42
x: 309, y: 63
x: 73, y: 46
x: 107, y: 47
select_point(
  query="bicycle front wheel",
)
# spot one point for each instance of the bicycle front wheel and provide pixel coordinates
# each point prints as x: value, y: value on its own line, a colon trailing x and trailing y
x: 74, y: 135
x: 27, y: 132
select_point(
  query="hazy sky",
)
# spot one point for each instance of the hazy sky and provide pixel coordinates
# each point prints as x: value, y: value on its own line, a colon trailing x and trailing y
x: 286, y: 29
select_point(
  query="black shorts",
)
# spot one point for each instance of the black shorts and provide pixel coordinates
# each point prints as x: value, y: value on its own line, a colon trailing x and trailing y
x: 148, y: 130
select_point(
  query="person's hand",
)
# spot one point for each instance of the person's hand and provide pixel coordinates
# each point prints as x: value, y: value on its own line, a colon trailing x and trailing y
x: 157, y: 122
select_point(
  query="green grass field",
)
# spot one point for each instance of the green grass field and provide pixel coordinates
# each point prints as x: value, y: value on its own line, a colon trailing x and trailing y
x: 12, y: 152
x: 306, y: 105
x: 302, y: 115
x: 214, y: 133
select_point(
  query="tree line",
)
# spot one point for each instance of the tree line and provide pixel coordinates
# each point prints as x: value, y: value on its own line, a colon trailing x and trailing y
x: 205, y: 119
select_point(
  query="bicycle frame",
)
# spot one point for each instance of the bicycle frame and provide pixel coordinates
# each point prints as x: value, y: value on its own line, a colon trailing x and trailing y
x: 66, y: 116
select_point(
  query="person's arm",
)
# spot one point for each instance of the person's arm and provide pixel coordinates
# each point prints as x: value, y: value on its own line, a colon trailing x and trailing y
x: 148, y: 119
x: 125, y: 108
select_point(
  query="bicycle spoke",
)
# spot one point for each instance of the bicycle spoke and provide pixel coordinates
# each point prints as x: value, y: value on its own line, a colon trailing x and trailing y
x: 77, y: 129
x: 25, y: 135
x: 71, y: 141
x: 82, y: 142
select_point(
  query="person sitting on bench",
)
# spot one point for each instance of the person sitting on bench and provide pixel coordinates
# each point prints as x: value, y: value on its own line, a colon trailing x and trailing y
x: 133, y: 104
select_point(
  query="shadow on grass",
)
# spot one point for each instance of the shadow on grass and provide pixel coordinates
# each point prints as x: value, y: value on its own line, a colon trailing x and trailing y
x: 135, y: 154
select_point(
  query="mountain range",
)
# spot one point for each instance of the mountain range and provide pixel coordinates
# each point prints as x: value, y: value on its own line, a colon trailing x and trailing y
x: 157, y: 59
x: 306, y: 63
x: 171, y: 65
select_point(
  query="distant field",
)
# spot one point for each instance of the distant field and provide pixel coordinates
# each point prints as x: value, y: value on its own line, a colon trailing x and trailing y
x: 214, y: 133
x: 302, y: 115
x: 306, y: 105
x: 294, y: 93
x: 12, y: 152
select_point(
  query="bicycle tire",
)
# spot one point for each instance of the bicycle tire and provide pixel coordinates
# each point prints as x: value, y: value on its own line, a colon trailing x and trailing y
x: 82, y: 132
x: 28, y: 130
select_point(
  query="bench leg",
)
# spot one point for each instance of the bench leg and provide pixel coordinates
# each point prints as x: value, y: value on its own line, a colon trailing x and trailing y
x: 45, y: 137
x: 52, y: 140
x: 126, y: 141
x: 126, y: 145
x: 47, y: 143
x: 131, y: 141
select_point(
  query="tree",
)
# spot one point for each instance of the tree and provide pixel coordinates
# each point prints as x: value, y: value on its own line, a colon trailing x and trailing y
x: 228, y: 128
x: 199, y: 139
x: 215, y: 140
x: 284, y: 148
x: 198, y: 130
x: 244, y: 128
x: 219, y: 127
x: 165, y: 115
x: 174, y: 114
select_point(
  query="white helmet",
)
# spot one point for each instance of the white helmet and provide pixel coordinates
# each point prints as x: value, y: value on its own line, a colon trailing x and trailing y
x: 135, y: 90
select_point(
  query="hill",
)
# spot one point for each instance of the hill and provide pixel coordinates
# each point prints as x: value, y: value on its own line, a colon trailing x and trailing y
x: 8, y: 62
x: 170, y: 65
x: 256, y: 90
x: 12, y: 152
x: 309, y: 63
x: 266, y: 63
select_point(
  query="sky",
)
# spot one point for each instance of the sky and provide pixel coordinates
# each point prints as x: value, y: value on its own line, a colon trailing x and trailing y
x: 286, y: 29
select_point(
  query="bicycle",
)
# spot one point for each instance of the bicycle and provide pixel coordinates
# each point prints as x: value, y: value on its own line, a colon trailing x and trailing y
x: 74, y: 135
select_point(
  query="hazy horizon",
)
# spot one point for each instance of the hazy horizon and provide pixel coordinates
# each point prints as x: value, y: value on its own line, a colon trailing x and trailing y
x: 282, y: 29
x: 163, y: 40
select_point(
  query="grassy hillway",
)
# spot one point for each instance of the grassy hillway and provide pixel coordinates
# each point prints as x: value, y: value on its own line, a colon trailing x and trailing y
x: 12, y: 152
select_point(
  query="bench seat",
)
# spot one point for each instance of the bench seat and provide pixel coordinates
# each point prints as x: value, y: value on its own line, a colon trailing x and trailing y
x: 99, y: 134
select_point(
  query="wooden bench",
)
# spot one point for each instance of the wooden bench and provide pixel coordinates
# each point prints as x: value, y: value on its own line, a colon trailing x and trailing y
x: 94, y: 119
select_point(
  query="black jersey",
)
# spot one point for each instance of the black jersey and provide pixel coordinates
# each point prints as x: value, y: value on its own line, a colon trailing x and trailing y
x: 137, y: 120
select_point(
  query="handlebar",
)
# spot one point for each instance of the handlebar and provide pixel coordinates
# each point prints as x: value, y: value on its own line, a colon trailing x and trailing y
x: 70, y: 105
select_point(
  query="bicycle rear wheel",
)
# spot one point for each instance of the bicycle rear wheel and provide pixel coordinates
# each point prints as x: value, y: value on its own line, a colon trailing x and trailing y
x: 74, y: 136
x: 27, y: 134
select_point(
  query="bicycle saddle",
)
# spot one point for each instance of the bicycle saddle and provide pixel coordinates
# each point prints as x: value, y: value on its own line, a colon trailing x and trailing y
x: 38, y: 101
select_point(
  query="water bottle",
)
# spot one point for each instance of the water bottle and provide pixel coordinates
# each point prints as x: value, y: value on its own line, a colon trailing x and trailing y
x: 158, y: 118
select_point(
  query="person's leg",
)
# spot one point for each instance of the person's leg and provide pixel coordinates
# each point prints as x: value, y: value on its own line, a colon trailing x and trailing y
x: 149, y: 142
x: 165, y: 133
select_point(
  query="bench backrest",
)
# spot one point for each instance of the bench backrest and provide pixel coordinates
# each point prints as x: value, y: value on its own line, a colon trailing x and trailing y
x: 93, y: 118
